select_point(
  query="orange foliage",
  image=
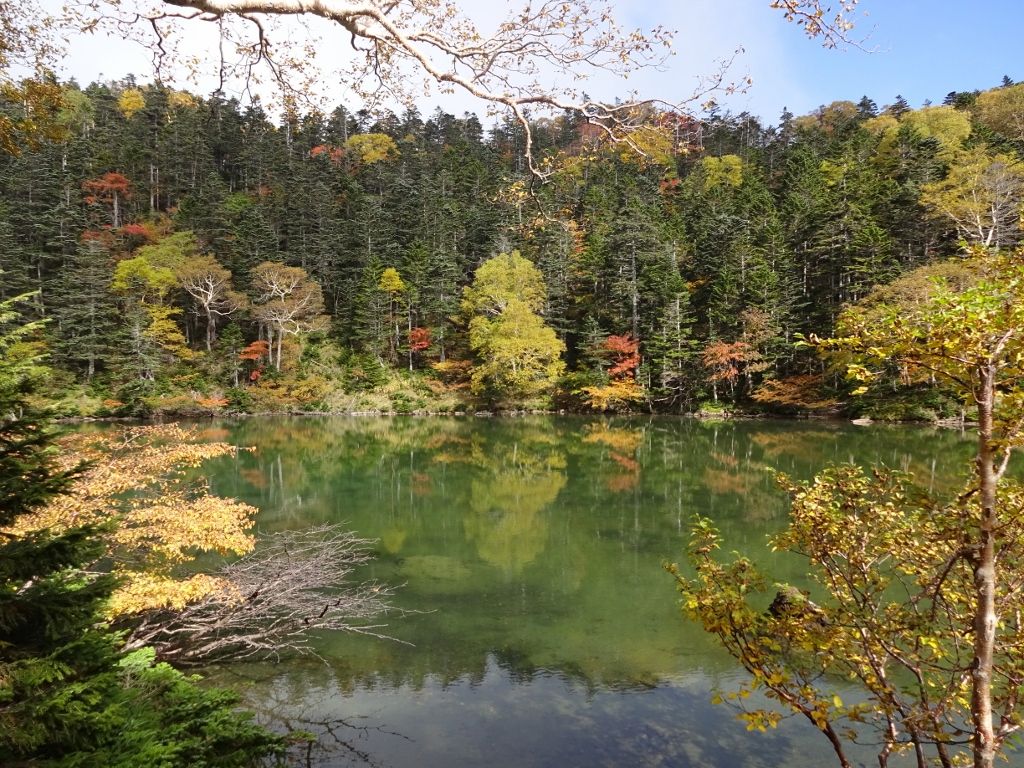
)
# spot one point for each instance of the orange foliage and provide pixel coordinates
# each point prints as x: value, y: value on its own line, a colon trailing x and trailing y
x: 623, y: 388
x: 625, y: 462
x: 669, y: 185
x: 419, y: 339
x: 795, y: 392
x: 211, y: 402
x: 106, y: 188
x: 725, y: 458
x: 334, y: 154
x: 255, y: 351
x: 256, y: 477
x: 621, y: 483
x: 439, y: 441
x: 722, y: 481
x: 103, y: 237
x: 213, y: 434
x: 723, y: 360
x: 422, y: 484
x: 627, y: 355
x: 454, y: 372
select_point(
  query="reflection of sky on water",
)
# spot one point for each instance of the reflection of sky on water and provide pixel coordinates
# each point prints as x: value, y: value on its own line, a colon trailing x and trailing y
x: 543, y: 720
x: 546, y: 632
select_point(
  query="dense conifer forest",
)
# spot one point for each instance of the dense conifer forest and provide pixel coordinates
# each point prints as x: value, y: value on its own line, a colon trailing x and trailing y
x: 197, y: 255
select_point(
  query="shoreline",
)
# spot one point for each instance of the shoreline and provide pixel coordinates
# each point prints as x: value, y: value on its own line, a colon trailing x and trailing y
x: 508, y: 414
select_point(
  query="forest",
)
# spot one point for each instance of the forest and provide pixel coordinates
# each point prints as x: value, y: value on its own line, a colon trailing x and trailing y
x: 166, y: 255
x: 193, y: 255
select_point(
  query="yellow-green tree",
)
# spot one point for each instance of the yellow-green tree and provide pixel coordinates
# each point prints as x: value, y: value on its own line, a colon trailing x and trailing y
x: 394, y: 287
x: 144, y: 284
x: 518, y: 355
x: 1002, y: 110
x: 981, y: 196
x: 923, y: 596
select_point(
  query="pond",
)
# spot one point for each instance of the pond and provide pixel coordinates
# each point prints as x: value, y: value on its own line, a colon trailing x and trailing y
x: 545, y: 631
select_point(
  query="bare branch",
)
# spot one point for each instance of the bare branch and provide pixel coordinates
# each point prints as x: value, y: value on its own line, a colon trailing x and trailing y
x: 272, y: 601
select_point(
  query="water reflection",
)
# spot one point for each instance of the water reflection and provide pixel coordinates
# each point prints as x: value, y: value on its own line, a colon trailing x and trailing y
x: 532, y: 549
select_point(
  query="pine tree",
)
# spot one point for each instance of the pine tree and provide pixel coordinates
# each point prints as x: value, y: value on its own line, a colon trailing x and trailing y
x: 68, y: 694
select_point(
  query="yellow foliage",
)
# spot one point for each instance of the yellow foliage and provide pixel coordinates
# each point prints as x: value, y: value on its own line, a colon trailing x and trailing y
x: 804, y: 391
x: 146, y: 591
x: 881, y: 125
x: 648, y: 145
x: 617, y: 395
x: 726, y: 170
x: 622, y: 440
x: 391, y: 282
x: 130, y: 102
x: 139, y: 485
x: 371, y: 148
x: 1002, y: 110
x: 948, y: 126
x: 181, y: 99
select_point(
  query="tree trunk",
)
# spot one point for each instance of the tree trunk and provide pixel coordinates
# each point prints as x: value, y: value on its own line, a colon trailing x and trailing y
x: 984, y: 579
x: 210, y: 330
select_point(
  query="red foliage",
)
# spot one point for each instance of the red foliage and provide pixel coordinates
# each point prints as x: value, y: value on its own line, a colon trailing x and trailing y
x: 255, y: 351
x: 419, y: 339
x: 627, y: 355
x: 106, y: 187
x: 723, y: 360
x: 669, y: 185
x: 138, y: 232
x: 336, y: 154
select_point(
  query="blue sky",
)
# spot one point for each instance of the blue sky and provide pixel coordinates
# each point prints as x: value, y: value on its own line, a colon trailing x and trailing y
x: 921, y: 49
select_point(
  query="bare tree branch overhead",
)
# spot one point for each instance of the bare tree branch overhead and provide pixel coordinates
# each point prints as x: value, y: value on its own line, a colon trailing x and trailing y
x: 537, y: 58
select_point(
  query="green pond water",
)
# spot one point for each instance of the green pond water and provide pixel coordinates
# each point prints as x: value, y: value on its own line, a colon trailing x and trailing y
x: 547, y: 633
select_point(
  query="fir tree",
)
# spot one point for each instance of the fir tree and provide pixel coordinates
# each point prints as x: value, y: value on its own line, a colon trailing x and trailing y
x: 68, y: 694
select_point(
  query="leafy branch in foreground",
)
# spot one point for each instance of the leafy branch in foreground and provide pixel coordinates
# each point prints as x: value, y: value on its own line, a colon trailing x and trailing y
x: 156, y: 518
x: 533, y: 58
x: 139, y: 488
x: 923, y: 603
x: 895, y: 567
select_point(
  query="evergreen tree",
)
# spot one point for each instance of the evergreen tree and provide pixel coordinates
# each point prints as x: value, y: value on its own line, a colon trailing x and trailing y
x: 68, y: 695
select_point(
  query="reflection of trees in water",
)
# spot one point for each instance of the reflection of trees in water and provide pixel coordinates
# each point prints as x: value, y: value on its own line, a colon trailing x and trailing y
x: 622, y: 445
x: 296, y: 458
x: 572, y: 719
x: 528, y: 539
x: 514, y: 483
x: 505, y: 517
x: 287, y: 702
